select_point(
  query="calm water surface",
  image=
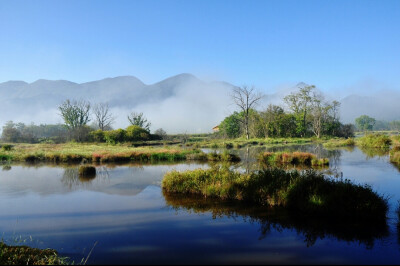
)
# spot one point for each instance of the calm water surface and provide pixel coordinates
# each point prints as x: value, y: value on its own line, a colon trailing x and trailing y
x: 124, y: 211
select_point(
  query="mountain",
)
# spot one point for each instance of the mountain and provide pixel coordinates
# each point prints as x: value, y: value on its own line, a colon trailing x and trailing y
x: 182, y: 103
x: 176, y: 104
x: 381, y: 106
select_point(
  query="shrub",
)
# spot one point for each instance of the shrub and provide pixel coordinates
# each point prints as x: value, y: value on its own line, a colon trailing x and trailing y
x: 134, y: 133
x: 114, y: 136
x: 7, y: 147
x: 97, y: 136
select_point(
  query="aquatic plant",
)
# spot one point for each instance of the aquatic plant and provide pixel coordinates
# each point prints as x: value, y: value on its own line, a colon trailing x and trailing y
x: 296, y: 158
x: 308, y: 192
x: 24, y: 255
x: 333, y: 143
x: 375, y: 140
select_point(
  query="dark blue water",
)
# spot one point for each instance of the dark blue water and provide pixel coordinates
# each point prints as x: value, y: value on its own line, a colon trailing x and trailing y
x: 123, y: 215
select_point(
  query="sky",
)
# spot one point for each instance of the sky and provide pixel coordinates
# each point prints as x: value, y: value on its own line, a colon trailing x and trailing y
x: 337, y: 45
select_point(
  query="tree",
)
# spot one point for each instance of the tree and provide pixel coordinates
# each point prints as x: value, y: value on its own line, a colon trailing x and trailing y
x: 365, y: 123
x: 161, y: 132
x: 300, y: 103
x: 10, y: 132
x: 319, y: 112
x: 395, y: 125
x: 104, y: 118
x: 76, y: 114
x: 137, y: 119
x: 246, y: 98
x: 230, y: 126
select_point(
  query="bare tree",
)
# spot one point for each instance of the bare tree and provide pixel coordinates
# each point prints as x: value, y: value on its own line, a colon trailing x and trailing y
x: 103, y: 115
x: 138, y: 119
x: 246, y: 98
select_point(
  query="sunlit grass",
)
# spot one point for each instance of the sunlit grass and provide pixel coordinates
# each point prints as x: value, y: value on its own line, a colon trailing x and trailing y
x: 101, y: 153
x: 308, y: 192
x: 296, y: 158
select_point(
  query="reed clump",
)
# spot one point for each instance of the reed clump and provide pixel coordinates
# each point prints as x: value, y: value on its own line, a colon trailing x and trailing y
x: 375, y: 140
x: 296, y: 158
x: 333, y: 143
x: 395, y: 155
x: 308, y: 192
x: 24, y: 255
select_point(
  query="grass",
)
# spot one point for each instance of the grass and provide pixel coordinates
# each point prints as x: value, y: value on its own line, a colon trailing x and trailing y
x: 308, y: 192
x: 101, y: 153
x: 296, y: 158
x: 375, y: 140
x: 24, y: 255
x: 333, y: 143
x: 395, y: 155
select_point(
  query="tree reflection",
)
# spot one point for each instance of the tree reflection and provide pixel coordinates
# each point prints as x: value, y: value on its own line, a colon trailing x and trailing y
x: 71, y: 178
x: 279, y: 219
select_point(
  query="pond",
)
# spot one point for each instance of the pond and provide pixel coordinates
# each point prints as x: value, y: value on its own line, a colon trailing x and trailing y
x: 123, y: 216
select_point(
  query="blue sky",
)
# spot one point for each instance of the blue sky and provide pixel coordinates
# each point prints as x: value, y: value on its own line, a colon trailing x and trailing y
x: 336, y: 45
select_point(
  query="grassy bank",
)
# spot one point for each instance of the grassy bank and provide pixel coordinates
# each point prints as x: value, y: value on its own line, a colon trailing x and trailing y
x: 296, y: 158
x: 242, y: 142
x: 103, y: 153
x: 334, y: 143
x: 395, y: 155
x: 374, y: 141
x: 23, y: 255
x: 308, y: 192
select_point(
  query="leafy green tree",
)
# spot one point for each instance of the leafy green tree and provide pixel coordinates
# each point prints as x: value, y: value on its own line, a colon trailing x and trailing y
x: 365, y: 123
x: 134, y: 133
x: 138, y: 119
x: 76, y: 115
x: 300, y: 104
x: 231, y: 125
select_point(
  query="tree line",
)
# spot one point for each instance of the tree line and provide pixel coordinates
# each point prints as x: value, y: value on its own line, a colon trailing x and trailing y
x: 307, y: 114
x: 76, y: 116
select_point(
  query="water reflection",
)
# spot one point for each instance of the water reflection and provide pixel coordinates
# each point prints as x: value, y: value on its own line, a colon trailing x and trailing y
x: 374, y: 152
x: 278, y: 219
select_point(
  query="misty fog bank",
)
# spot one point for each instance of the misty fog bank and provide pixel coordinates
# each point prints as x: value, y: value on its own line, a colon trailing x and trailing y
x: 179, y: 104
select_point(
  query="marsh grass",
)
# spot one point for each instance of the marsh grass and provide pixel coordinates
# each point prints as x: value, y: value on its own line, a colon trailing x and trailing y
x: 375, y: 140
x: 295, y: 158
x: 395, y: 155
x: 333, y: 143
x: 308, y: 192
x: 99, y: 153
x: 24, y: 255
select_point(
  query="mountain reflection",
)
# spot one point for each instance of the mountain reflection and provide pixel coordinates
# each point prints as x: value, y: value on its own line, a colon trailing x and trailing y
x: 279, y: 219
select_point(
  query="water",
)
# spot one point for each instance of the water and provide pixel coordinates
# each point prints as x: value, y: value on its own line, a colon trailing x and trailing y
x: 124, y: 211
